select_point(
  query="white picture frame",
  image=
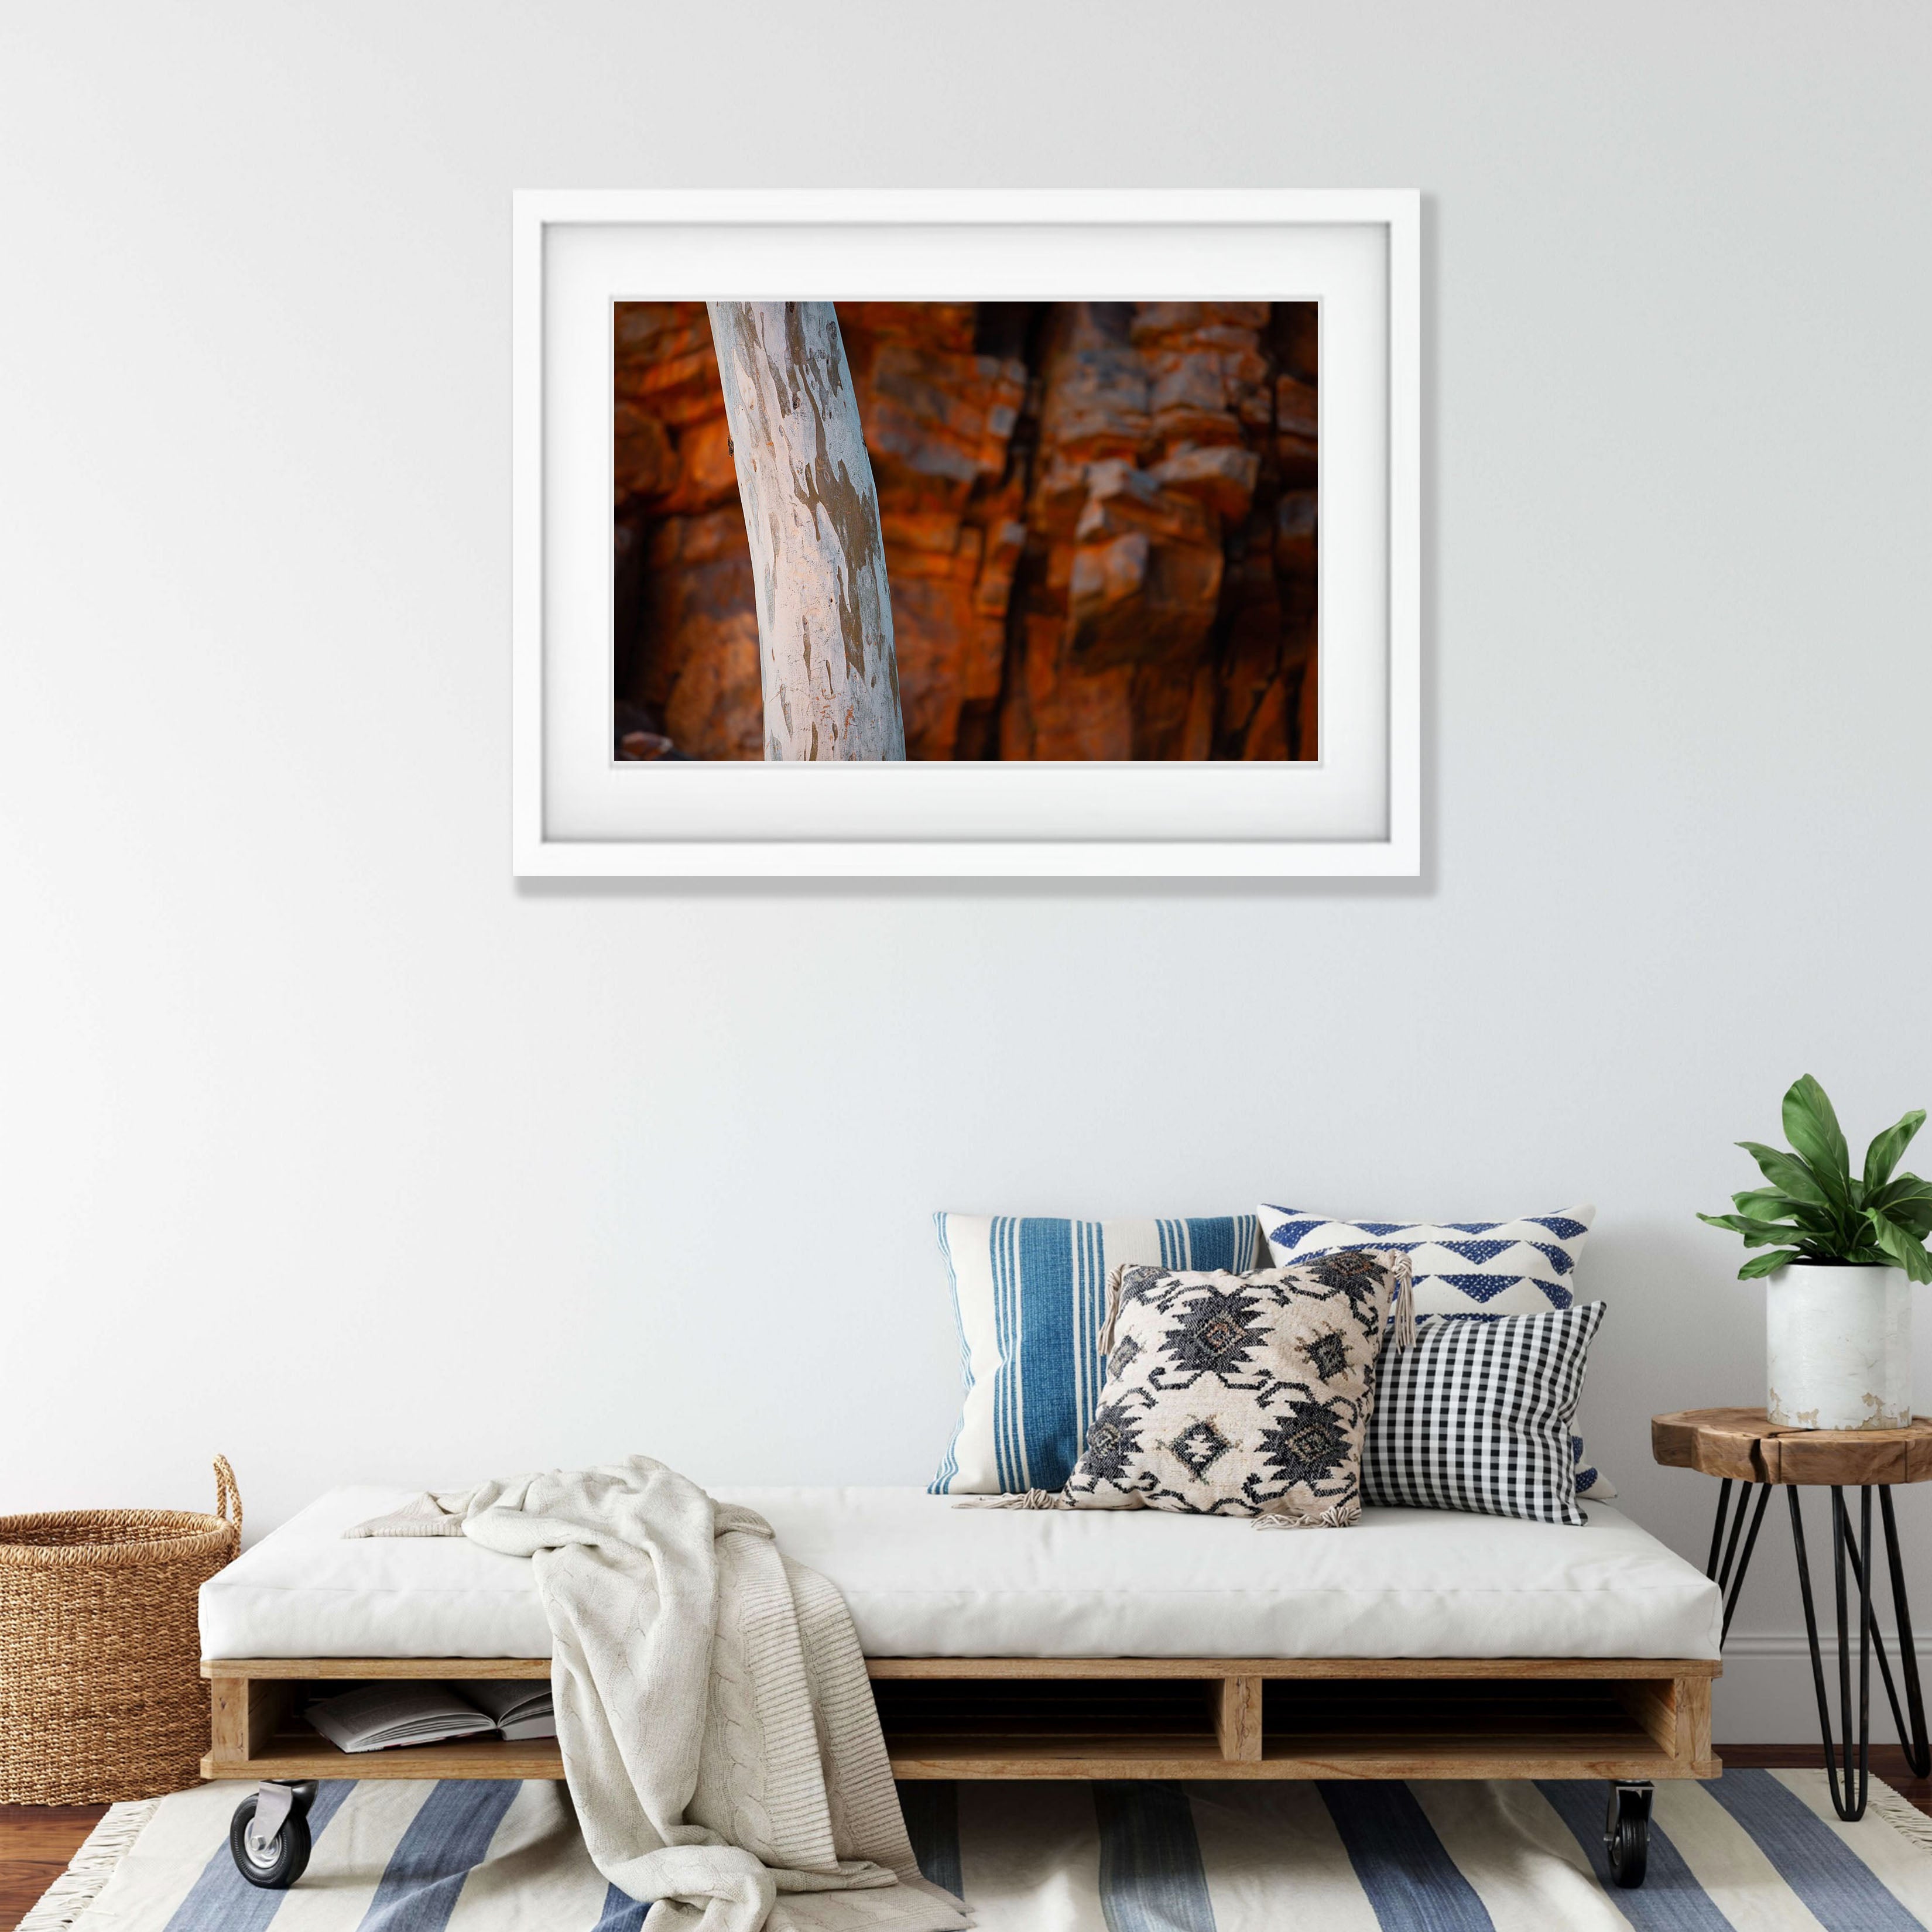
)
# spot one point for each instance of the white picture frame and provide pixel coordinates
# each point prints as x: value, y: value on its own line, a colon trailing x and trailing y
x: 1355, y: 811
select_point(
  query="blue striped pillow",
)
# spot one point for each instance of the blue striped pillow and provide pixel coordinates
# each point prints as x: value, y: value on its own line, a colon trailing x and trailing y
x: 1030, y: 1294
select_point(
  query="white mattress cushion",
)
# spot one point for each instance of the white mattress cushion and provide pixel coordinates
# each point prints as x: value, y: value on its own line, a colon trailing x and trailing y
x: 925, y: 1578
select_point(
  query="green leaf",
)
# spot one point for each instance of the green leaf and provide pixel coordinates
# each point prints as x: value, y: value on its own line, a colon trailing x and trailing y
x: 1811, y: 1126
x: 1786, y: 1173
x: 1763, y: 1264
x: 1756, y: 1233
x: 1732, y: 1223
x: 1766, y: 1204
x: 1906, y: 1200
x: 1888, y: 1148
x: 1900, y: 1248
x: 1914, y: 1217
x: 1903, y: 1190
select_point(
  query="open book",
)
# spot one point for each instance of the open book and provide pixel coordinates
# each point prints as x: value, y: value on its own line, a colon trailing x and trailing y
x: 377, y: 1716
x: 521, y: 1708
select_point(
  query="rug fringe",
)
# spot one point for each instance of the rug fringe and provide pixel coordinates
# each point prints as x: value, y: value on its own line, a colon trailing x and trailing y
x: 91, y: 1867
x: 1901, y: 1814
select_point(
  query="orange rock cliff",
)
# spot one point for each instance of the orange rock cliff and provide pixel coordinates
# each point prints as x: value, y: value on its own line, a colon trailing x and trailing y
x: 1099, y: 522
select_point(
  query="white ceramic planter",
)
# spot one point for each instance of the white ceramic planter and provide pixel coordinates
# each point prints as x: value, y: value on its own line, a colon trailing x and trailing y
x: 1838, y: 1347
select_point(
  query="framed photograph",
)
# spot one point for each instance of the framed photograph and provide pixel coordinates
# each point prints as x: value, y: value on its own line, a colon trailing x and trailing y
x: 966, y: 533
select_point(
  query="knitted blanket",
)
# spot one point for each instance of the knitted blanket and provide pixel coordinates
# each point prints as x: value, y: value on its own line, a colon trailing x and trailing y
x: 718, y: 1730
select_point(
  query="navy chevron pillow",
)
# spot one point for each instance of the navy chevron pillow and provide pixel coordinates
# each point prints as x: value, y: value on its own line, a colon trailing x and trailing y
x: 1523, y: 1266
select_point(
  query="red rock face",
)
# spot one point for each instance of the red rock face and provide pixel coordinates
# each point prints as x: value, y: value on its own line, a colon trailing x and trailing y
x: 1098, y: 519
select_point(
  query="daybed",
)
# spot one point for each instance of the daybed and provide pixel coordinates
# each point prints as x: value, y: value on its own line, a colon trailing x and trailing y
x: 1420, y: 1643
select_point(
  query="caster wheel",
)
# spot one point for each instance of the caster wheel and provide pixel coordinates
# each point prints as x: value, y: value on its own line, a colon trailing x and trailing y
x: 1627, y: 1835
x: 287, y: 1856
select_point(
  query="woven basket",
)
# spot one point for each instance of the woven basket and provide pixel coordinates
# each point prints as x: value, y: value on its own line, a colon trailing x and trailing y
x: 101, y: 1697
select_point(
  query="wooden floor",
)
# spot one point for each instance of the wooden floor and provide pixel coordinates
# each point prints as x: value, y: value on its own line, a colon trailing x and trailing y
x: 36, y: 1841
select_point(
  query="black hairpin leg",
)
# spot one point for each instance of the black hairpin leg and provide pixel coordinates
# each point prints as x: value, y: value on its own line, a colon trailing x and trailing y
x: 1918, y: 1752
x: 1717, y: 1528
x: 1909, y: 1722
x: 1850, y: 1759
x: 1848, y: 1800
x: 1729, y: 1575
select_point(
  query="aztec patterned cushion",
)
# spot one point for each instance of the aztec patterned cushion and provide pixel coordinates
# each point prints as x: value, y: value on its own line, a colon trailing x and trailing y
x: 1030, y: 1294
x: 1475, y: 1415
x: 1240, y: 1395
x: 1522, y: 1266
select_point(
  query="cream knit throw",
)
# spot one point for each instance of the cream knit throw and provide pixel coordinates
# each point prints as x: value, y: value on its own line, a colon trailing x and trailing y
x: 717, y: 1729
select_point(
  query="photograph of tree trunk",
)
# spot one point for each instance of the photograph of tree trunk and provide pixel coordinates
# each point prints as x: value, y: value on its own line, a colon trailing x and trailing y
x: 965, y: 530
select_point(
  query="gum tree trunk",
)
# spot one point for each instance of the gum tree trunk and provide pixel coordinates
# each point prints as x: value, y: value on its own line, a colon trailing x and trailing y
x: 825, y: 618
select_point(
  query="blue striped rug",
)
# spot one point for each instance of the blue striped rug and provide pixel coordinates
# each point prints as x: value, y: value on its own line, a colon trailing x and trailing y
x: 1757, y: 1852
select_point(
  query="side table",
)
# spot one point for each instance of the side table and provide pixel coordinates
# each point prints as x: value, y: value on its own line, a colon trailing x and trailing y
x: 1742, y: 1446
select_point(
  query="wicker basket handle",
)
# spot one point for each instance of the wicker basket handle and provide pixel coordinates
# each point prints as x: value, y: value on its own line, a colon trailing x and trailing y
x: 227, y: 1494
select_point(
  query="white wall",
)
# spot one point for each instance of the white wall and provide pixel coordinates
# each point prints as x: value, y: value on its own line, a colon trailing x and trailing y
x: 324, y: 1144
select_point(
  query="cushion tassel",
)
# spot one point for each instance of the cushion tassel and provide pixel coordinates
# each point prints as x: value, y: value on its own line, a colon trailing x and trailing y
x: 1336, y: 1515
x: 1027, y: 1499
x: 1404, y: 1336
x: 1106, y: 1344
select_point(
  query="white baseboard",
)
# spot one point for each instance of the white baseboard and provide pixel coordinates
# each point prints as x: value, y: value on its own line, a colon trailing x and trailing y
x: 1766, y: 1697
x: 1737, y: 1648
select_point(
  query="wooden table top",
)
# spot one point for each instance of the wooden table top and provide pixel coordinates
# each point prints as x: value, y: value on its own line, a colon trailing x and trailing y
x: 1744, y: 1444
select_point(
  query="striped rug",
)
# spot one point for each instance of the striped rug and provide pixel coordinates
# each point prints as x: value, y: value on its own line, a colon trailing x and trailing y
x: 1757, y: 1852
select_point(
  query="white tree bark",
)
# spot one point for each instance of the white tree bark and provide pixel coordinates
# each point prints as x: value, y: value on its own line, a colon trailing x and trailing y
x: 811, y: 512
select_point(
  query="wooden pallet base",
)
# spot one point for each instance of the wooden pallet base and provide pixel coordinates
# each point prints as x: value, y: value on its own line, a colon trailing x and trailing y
x: 1113, y: 1717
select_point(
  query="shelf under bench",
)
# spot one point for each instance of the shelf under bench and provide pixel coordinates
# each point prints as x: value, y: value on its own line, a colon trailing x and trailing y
x: 1112, y: 1718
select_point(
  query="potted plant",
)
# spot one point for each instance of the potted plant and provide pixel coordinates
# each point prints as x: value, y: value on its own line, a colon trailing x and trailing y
x: 1843, y: 1252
